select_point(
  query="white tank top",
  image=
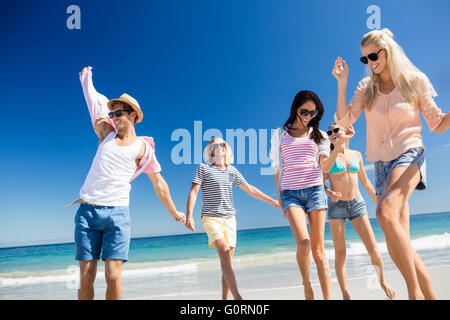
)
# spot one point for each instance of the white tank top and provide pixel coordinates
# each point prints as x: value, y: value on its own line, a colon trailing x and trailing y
x: 108, y: 180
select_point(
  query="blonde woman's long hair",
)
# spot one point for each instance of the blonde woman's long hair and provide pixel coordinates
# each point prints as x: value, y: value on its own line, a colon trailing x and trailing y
x: 401, y: 68
x: 229, y: 158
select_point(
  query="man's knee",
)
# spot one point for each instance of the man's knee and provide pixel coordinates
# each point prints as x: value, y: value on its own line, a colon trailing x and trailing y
x: 112, y: 277
x: 88, y: 272
x: 88, y: 268
x: 113, y: 271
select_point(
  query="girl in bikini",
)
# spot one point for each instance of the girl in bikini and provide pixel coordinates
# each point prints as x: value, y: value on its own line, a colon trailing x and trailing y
x: 345, y: 202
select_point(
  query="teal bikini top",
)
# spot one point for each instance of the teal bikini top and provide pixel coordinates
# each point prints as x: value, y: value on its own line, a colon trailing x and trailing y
x: 339, y: 167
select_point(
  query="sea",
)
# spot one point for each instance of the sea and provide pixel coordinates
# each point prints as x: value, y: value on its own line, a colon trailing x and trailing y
x: 170, y: 267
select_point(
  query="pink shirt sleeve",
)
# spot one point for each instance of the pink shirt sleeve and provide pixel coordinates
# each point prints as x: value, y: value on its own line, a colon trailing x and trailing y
x: 96, y: 102
x: 425, y: 93
x: 153, y: 166
x: 356, y: 106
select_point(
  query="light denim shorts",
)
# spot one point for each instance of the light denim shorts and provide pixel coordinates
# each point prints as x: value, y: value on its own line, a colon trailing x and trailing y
x: 383, y: 168
x: 343, y: 210
x: 309, y: 199
x: 102, y: 229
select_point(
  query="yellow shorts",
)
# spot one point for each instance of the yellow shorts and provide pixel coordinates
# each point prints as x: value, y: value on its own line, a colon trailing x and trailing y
x: 220, y: 228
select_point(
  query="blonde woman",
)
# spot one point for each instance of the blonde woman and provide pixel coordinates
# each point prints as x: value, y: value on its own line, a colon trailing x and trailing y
x: 392, y: 96
x: 217, y: 177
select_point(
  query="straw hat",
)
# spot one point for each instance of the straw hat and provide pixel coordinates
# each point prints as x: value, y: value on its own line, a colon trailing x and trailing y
x: 131, y: 102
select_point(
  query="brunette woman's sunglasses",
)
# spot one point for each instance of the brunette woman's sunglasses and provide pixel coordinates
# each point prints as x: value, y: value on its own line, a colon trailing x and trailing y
x: 372, y: 57
x: 335, y: 130
x: 305, y: 112
x: 117, y: 113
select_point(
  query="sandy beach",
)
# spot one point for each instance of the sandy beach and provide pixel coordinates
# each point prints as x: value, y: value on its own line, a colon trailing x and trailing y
x: 359, y: 289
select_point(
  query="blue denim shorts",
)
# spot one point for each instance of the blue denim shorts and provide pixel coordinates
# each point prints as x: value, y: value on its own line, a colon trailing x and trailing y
x: 383, y: 168
x: 102, y: 227
x: 309, y: 199
x: 343, y: 210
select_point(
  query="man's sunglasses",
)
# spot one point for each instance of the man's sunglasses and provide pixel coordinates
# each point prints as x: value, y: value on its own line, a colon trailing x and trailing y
x: 335, y: 130
x: 117, y: 113
x: 372, y: 57
x: 305, y: 112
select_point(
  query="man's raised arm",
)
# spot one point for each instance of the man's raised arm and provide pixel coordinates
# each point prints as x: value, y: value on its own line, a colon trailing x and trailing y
x: 97, y: 105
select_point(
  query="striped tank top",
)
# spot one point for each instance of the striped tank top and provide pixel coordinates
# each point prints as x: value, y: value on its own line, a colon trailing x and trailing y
x: 301, y: 168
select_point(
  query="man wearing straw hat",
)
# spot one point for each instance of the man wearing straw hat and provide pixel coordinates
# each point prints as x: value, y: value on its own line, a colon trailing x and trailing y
x: 102, y: 222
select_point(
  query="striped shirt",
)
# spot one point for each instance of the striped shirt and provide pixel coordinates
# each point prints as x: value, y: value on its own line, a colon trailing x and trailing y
x: 217, y: 189
x: 301, y: 168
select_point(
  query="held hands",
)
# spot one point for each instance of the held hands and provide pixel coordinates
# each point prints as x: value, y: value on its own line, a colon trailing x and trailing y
x: 178, y: 216
x: 335, y: 196
x: 281, y: 207
x: 340, y: 70
x: 190, y: 224
x: 275, y: 203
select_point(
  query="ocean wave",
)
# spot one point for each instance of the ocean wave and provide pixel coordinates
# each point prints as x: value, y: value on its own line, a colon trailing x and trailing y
x: 433, y: 242
x: 354, y: 248
x: 130, y: 270
x: 70, y: 275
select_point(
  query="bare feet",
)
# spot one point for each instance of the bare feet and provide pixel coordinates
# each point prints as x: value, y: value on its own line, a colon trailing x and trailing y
x: 390, y: 293
x: 416, y: 295
x: 309, y: 293
x: 345, y: 295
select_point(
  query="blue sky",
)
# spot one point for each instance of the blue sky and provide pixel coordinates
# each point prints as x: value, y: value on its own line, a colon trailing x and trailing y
x: 228, y: 64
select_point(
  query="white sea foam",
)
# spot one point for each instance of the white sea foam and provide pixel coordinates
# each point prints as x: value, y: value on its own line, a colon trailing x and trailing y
x: 71, y: 274
x: 433, y: 242
x: 354, y: 248
x: 184, y: 268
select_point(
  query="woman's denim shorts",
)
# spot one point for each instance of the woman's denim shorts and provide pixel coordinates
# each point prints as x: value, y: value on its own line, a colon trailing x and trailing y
x: 343, y: 210
x: 309, y: 199
x: 412, y: 156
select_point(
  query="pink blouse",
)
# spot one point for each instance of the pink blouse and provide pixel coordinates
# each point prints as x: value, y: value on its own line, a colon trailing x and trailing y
x: 393, y: 124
